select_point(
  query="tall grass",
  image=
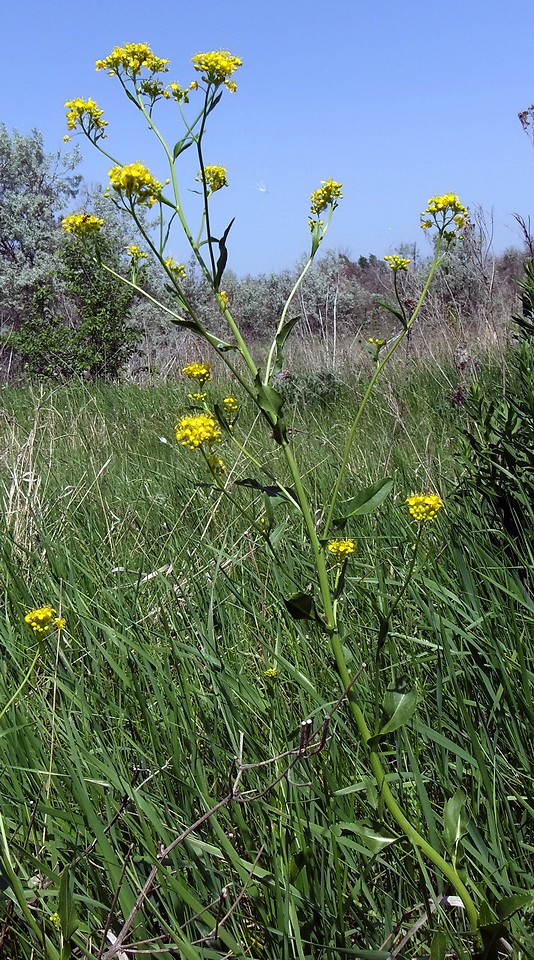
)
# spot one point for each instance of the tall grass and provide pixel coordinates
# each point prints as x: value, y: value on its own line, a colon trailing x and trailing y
x: 136, y: 721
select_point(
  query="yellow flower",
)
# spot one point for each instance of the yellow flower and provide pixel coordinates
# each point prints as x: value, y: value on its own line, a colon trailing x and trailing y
x: 154, y: 89
x: 131, y: 59
x: 377, y: 342
x: 55, y: 919
x: 325, y: 195
x: 445, y: 211
x: 214, y: 177
x: 82, y: 224
x: 135, y: 182
x: 135, y: 253
x: 231, y: 405
x: 85, y: 114
x: 341, y: 549
x: 193, y: 431
x: 42, y: 619
x: 397, y: 263
x: 201, y: 372
x: 424, y: 506
x: 216, y: 67
x: 223, y: 299
x: 271, y: 673
x: 216, y: 465
x: 176, y: 268
x: 197, y: 397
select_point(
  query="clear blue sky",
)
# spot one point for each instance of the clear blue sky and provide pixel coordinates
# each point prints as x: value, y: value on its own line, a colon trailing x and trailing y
x: 398, y: 101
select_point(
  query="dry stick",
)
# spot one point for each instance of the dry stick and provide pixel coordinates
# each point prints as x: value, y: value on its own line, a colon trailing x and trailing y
x: 109, y: 918
x: 304, y: 749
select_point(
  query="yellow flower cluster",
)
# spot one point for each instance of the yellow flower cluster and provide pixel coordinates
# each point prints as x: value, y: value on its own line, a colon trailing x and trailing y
x: 271, y: 673
x: 325, y: 195
x: 214, y: 178
x: 192, y: 432
x: 153, y: 89
x: 444, y: 211
x: 397, y: 263
x: 42, y: 619
x: 82, y: 224
x: 131, y: 59
x: 231, y: 405
x: 87, y: 115
x: 341, y: 549
x: 216, y: 465
x: 216, y: 67
x: 135, y: 182
x: 223, y: 299
x: 135, y: 253
x: 181, y: 96
x: 175, y: 268
x: 201, y: 372
x: 424, y: 506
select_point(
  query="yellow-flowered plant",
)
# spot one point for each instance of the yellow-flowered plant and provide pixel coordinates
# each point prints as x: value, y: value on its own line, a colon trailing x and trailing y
x: 42, y: 619
x: 397, y: 263
x: 197, y: 431
x: 131, y: 59
x: 86, y: 115
x: 214, y: 177
x: 201, y: 372
x: 341, y: 549
x: 320, y: 599
x: 231, y: 405
x: 424, y: 506
x: 217, y: 67
x: 82, y: 224
x: 135, y: 183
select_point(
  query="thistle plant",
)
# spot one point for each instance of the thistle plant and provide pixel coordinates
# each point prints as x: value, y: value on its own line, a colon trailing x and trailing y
x: 209, y: 427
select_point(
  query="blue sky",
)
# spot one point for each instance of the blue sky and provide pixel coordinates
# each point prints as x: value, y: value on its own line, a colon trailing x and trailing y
x: 398, y: 101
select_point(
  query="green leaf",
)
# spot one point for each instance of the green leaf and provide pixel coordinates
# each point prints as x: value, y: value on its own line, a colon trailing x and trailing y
x: 455, y: 820
x: 223, y: 256
x: 180, y: 147
x: 396, y: 313
x: 366, y: 500
x: 510, y: 905
x: 373, y: 835
x: 400, y: 703
x: 66, y: 908
x: 280, y: 340
x: 268, y: 399
x: 301, y: 606
x: 438, y: 946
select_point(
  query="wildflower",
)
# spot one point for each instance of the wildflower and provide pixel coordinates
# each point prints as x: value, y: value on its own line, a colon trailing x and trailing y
x: 135, y: 182
x: 216, y: 67
x: 42, y: 619
x: 397, y: 263
x: 231, y: 405
x: 341, y: 549
x: 444, y: 211
x: 177, y: 269
x: 216, y: 465
x: 271, y: 673
x: 86, y: 115
x: 325, y: 195
x: 197, y: 397
x: 193, y: 431
x: 82, y: 224
x: 55, y: 919
x: 66, y: 138
x: 424, y: 506
x: 223, y: 299
x: 154, y: 89
x: 377, y: 342
x: 214, y: 178
x: 135, y: 253
x: 181, y: 96
x: 131, y: 59
x: 201, y: 372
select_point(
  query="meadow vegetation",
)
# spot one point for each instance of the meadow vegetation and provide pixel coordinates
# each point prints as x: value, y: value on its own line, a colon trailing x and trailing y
x: 266, y: 689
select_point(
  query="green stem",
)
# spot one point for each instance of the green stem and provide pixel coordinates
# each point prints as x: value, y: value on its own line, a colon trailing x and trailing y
x: 370, y: 387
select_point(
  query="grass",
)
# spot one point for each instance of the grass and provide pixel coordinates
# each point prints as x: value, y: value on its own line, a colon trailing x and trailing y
x: 127, y: 731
